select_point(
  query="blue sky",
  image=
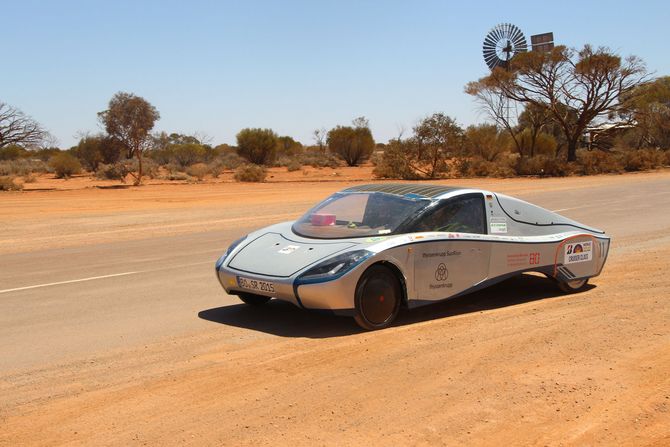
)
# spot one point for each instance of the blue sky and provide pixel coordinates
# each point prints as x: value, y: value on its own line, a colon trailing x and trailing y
x: 293, y: 66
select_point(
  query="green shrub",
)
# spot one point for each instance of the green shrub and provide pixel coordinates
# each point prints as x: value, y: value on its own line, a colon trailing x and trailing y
x: 198, y: 170
x: 259, y: 146
x: 8, y: 184
x: 250, y: 173
x: 65, y: 165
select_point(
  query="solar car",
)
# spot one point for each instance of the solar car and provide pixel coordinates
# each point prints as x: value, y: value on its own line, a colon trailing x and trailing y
x: 369, y: 250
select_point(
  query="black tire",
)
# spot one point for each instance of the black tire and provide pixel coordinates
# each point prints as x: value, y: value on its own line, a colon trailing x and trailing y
x: 378, y: 298
x: 574, y: 286
x: 254, y: 300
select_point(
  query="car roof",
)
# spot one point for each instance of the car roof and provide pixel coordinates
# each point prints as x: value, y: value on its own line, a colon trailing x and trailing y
x: 403, y: 189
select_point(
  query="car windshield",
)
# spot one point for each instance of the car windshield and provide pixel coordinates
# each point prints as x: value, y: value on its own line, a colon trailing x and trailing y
x: 360, y: 214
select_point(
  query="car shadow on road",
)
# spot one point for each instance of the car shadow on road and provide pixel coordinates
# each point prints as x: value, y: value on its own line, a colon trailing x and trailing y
x: 286, y: 320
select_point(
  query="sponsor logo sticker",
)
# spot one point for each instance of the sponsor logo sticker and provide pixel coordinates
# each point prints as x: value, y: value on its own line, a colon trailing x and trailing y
x: 498, y: 225
x: 288, y: 249
x: 578, y: 252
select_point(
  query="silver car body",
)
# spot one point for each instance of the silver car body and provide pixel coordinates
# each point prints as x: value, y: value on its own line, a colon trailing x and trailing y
x: 431, y: 265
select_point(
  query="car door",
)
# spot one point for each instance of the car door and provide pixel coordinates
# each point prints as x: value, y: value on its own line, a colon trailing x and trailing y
x: 450, y: 264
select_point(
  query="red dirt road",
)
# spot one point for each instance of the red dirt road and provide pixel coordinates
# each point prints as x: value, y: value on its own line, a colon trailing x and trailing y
x: 517, y: 364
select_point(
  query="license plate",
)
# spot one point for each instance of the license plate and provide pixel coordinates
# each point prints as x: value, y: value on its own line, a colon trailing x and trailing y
x: 255, y: 285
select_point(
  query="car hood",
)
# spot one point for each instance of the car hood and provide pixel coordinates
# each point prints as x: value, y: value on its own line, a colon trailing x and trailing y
x: 275, y: 254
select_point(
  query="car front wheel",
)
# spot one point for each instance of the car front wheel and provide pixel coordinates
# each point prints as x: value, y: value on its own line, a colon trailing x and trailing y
x: 378, y: 297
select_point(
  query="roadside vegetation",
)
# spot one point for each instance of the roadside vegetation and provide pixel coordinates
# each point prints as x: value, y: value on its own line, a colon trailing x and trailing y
x: 559, y: 113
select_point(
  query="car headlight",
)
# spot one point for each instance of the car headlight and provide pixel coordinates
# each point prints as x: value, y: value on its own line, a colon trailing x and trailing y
x: 232, y: 247
x: 334, y: 267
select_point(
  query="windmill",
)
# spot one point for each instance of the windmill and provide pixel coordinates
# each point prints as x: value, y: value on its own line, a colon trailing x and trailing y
x: 502, y: 43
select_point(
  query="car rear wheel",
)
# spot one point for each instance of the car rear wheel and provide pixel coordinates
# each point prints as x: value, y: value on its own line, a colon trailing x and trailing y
x: 573, y: 286
x: 377, y: 300
x: 253, y: 299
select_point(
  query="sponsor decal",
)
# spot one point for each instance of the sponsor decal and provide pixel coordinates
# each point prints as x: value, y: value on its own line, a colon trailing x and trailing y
x: 375, y: 239
x: 441, y: 276
x: 441, y: 273
x: 288, y: 249
x: 442, y: 254
x: 498, y: 225
x: 383, y: 231
x: 578, y: 252
x: 523, y: 259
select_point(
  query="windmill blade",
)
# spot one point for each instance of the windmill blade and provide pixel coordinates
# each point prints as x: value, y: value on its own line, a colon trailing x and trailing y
x: 502, y: 43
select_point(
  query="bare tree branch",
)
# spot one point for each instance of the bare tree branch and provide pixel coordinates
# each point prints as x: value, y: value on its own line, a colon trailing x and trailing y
x: 18, y: 128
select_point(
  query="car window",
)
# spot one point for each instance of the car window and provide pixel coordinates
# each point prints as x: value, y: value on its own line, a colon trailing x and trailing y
x: 346, y: 215
x: 460, y: 214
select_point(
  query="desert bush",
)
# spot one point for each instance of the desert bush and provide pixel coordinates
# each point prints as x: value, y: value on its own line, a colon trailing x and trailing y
x: 12, y: 152
x: 198, y: 170
x: 188, y: 154
x: 544, y: 166
x: 250, y: 173
x: 319, y: 159
x: 643, y: 159
x: 22, y: 167
x: 293, y: 165
x: 394, y: 162
x: 545, y: 144
x: 353, y: 144
x: 230, y: 160
x: 259, y: 146
x: 29, y: 178
x: 178, y: 176
x: 116, y: 171
x: 599, y: 162
x: 480, y: 167
x: 486, y: 141
x: 216, y: 168
x: 65, y: 165
x: 8, y: 184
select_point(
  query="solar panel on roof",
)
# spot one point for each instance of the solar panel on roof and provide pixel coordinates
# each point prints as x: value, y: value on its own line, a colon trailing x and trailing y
x: 403, y: 189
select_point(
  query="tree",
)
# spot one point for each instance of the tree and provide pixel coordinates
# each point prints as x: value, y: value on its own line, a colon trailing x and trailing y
x: 485, y: 141
x: 533, y: 119
x: 288, y: 146
x: 424, y: 155
x: 129, y: 120
x: 259, y: 146
x: 320, y: 136
x: 436, y: 138
x: 496, y: 106
x: 648, y: 109
x: 17, y: 128
x: 576, y: 88
x: 187, y: 154
x: 92, y: 150
x: 353, y: 144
